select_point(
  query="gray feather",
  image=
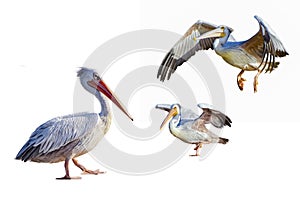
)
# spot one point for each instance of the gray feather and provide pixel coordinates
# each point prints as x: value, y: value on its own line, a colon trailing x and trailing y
x: 57, y: 133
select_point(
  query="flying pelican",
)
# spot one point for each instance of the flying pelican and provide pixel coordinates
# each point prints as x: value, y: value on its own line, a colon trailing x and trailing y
x: 66, y: 137
x: 255, y: 54
x: 190, y: 128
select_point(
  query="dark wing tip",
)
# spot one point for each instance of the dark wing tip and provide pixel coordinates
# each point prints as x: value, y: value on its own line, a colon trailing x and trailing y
x: 281, y: 53
x: 159, y: 71
x: 227, y: 120
x: 167, y: 67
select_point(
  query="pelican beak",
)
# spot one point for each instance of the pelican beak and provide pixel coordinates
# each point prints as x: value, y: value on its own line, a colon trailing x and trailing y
x: 103, y: 88
x: 218, y: 32
x: 173, y: 112
x: 165, y: 107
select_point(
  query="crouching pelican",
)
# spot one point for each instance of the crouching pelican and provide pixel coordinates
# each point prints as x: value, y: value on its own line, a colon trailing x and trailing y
x: 190, y: 128
x: 255, y: 54
x: 67, y: 137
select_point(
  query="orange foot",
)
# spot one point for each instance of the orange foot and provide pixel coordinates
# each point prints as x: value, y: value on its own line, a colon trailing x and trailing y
x: 93, y: 172
x: 240, y: 82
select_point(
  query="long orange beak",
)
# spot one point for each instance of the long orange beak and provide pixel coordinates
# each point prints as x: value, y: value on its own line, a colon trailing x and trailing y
x: 103, y: 88
x: 173, y: 112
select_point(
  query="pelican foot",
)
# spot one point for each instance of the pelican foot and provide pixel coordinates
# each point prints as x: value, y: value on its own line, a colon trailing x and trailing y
x: 198, y: 146
x: 86, y: 171
x: 93, y: 172
x: 241, y: 80
x: 240, y: 83
x: 255, y: 83
x: 255, y: 86
x: 66, y: 177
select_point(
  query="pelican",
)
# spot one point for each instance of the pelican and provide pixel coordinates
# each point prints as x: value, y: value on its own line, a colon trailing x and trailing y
x: 67, y: 137
x: 255, y: 54
x: 190, y: 128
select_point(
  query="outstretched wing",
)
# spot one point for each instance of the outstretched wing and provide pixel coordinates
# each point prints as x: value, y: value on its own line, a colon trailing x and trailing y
x: 185, y: 48
x: 214, y: 117
x: 57, y: 133
x: 266, y: 46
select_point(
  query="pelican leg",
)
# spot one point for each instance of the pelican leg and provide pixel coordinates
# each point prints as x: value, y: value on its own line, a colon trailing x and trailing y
x: 86, y: 171
x: 255, y: 83
x: 67, y: 176
x: 241, y: 80
x: 198, y: 146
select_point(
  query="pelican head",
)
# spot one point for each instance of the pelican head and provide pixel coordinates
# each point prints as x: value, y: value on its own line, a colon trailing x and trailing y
x: 92, y: 82
x: 174, y: 110
x: 220, y: 32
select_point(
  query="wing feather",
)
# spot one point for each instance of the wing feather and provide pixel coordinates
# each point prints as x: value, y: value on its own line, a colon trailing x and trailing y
x: 266, y: 46
x: 214, y: 117
x: 185, y: 48
x: 56, y: 133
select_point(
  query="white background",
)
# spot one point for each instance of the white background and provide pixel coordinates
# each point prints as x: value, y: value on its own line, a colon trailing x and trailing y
x: 40, y: 45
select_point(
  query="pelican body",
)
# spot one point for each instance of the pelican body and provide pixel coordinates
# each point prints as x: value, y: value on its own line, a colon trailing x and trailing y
x: 255, y: 54
x: 67, y: 137
x: 190, y: 128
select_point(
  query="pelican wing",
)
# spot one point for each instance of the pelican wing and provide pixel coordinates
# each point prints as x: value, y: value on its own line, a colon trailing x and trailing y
x: 199, y: 125
x: 265, y: 45
x: 166, y: 107
x: 185, y: 48
x: 214, y: 117
x: 57, y: 133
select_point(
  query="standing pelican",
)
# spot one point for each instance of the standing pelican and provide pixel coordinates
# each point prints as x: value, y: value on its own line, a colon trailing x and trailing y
x: 255, y: 54
x: 64, y: 138
x: 190, y: 128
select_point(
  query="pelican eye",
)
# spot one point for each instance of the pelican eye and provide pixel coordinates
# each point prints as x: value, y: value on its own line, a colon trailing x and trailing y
x: 176, y: 108
x: 96, y: 76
